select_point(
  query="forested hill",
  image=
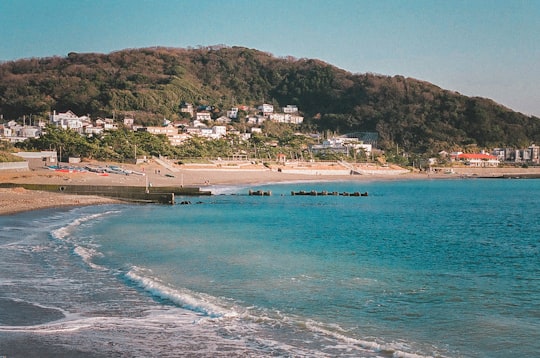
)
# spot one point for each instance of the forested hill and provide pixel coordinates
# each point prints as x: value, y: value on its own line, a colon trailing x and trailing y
x: 151, y: 83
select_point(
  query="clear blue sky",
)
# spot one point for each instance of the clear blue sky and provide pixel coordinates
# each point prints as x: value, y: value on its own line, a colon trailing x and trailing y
x: 487, y: 48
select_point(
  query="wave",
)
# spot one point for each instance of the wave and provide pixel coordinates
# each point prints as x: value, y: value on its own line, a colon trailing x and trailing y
x: 87, y: 255
x: 212, y: 307
x: 397, y: 349
x: 63, y: 232
x: 184, y: 298
x: 226, y: 189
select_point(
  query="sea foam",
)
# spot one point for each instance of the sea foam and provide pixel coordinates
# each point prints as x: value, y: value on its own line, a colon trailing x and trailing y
x: 182, y: 297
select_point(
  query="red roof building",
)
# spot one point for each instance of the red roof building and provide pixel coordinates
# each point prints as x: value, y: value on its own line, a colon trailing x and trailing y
x: 478, y: 159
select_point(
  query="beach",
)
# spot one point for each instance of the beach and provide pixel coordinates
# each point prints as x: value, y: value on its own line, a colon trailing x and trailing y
x: 205, y: 176
x: 104, y: 280
x: 18, y: 199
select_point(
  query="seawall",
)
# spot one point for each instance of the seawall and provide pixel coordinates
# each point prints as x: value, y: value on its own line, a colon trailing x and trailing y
x: 162, y: 195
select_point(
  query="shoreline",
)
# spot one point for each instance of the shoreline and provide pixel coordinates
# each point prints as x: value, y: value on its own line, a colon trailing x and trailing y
x: 17, y: 199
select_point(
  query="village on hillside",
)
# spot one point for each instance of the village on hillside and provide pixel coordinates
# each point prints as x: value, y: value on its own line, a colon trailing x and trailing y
x: 200, y: 122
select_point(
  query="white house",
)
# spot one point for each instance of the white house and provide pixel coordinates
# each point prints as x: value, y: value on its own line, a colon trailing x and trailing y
x: 220, y: 131
x: 178, y: 139
x: 266, y: 109
x: 168, y: 131
x: 128, y: 122
x: 286, y: 118
x: 203, y: 116
x: 478, y: 159
x: 224, y: 119
x: 205, y: 132
x: 59, y: 117
x: 256, y: 120
x: 69, y: 120
x: 342, y: 145
x: 233, y: 113
x: 290, y: 109
x: 187, y: 108
x: 534, y: 151
x: 5, y: 131
x: 91, y: 130
x: 199, y: 124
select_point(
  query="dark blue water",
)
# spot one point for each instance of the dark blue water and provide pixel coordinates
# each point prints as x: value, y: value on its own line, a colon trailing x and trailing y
x: 427, y: 268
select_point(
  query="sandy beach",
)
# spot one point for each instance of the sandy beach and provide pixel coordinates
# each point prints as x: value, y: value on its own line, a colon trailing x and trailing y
x: 162, y: 173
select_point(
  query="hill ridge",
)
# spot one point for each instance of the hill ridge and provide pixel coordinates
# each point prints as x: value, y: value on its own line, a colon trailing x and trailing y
x: 152, y: 82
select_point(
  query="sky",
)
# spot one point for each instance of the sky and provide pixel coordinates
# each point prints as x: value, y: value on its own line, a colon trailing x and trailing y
x: 485, y: 48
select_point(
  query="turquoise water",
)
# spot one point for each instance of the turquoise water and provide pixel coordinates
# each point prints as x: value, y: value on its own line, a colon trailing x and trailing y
x: 418, y: 268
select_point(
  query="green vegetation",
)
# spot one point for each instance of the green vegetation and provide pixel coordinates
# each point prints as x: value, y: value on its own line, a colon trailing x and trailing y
x: 150, y: 84
x: 8, y: 157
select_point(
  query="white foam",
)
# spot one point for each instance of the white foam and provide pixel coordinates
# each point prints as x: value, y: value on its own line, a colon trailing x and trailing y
x: 87, y: 254
x: 63, y: 232
x: 339, y: 334
x: 225, y: 190
x: 184, y: 298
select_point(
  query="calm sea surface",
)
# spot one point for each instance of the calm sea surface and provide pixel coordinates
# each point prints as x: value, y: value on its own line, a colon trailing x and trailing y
x: 446, y: 268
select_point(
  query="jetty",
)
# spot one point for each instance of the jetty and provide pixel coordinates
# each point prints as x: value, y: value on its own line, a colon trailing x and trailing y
x: 309, y: 193
x: 140, y: 194
x: 259, y: 193
x: 325, y: 193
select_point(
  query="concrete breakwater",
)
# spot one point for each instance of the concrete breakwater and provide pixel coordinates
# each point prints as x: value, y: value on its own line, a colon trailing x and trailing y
x: 309, y: 193
x: 325, y: 193
x: 162, y: 195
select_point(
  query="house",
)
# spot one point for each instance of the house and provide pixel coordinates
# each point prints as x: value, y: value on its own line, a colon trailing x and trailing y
x: 205, y: 132
x: 187, y: 108
x: 93, y: 130
x: 290, y: 109
x: 224, y: 119
x: 343, y: 145
x: 203, y: 116
x: 14, y: 132
x: 128, y: 122
x: 30, y: 132
x: 5, y: 131
x: 193, y: 130
x: 219, y: 131
x: 266, y: 109
x: 69, y: 120
x: 255, y: 120
x: 110, y: 125
x: 478, y: 159
x: 198, y: 124
x: 178, y: 139
x: 39, y: 159
x: 534, y: 151
x: 233, y: 113
x: 215, y: 132
x: 168, y: 130
x: 286, y: 118
x: 61, y: 116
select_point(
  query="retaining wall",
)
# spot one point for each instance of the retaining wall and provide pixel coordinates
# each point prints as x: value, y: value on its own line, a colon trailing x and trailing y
x: 14, y: 166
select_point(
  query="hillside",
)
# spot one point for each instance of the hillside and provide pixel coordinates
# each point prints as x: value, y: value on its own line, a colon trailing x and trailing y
x: 152, y: 83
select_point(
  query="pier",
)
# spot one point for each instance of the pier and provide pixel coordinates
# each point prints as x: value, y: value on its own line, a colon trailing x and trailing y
x: 140, y: 194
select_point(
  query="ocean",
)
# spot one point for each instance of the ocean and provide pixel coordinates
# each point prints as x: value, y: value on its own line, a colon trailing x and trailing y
x: 421, y: 268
